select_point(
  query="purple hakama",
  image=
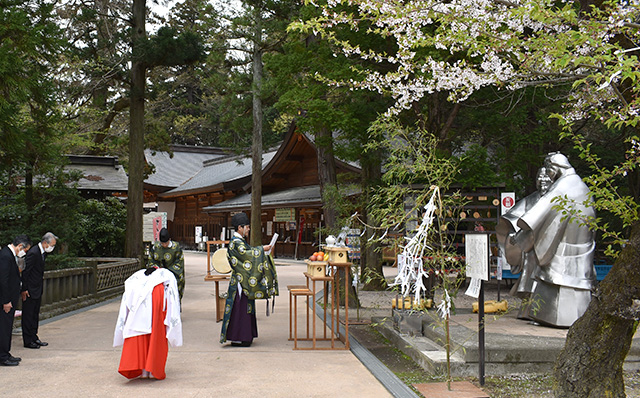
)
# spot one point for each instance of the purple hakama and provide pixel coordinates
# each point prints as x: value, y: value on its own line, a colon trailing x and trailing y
x: 242, y: 326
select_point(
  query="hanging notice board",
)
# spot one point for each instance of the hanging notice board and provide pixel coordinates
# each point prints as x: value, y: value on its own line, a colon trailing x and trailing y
x: 477, y: 255
x: 284, y: 215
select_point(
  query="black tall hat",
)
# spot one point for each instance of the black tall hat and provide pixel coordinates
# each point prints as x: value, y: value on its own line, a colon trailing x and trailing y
x: 164, y: 235
x: 240, y: 219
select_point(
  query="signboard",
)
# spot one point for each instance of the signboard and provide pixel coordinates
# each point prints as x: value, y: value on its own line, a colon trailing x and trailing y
x: 499, y: 269
x: 353, y: 243
x: 285, y: 215
x: 507, y: 200
x: 476, y: 247
x: 151, y: 226
x: 198, y: 233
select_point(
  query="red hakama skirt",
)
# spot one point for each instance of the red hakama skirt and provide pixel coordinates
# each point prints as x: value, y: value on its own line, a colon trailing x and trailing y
x: 148, y: 351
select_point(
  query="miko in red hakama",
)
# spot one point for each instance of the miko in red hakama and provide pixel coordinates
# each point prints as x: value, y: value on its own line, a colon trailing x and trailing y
x: 148, y: 351
x: 148, y: 322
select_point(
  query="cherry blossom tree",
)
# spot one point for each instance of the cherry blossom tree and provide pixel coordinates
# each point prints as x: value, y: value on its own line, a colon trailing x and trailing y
x: 460, y: 46
x: 589, y: 47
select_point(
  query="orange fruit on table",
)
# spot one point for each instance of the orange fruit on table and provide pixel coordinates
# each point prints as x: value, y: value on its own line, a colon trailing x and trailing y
x: 320, y: 254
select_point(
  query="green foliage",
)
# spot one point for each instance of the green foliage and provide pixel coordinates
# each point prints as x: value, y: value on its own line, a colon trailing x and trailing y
x: 54, y: 210
x: 13, y: 214
x: 28, y: 54
x: 210, y: 102
x: 84, y: 227
x: 315, y: 106
x: 476, y: 168
x: 617, y: 208
x: 413, y: 166
x: 58, y: 260
x: 168, y: 48
x: 343, y: 198
x: 183, y: 105
x: 414, y: 169
x: 416, y: 173
x: 101, y: 227
x: 515, y: 131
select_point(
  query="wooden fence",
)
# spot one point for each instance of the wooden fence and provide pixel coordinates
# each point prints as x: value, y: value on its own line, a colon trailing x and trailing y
x: 74, y: 288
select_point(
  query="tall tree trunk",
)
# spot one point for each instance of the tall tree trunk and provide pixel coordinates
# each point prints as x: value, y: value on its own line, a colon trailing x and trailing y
x: 590, y: 365
x: 100, y: 91
x: 326, y: 171
x: 372, y: 274
x: 133, y: 244
x: 256, y: 148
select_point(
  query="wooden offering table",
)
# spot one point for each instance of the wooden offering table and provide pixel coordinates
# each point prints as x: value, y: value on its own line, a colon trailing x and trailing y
x: 311, y: 280
x: 216, y: 277
x: 328, y: 272
x: 334, y: 268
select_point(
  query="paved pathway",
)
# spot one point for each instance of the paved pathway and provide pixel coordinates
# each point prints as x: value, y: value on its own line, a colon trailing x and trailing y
x: 81, y: 362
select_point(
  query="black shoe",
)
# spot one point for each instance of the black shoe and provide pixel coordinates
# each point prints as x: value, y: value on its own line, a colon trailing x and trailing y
x: 15, y: 359
x: 9, y: 362
x: 41, y: 343
x: 33, y: 344
x: 241, y: 344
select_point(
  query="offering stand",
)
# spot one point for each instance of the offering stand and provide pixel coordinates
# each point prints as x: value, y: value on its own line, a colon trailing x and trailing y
x: 338, y: 258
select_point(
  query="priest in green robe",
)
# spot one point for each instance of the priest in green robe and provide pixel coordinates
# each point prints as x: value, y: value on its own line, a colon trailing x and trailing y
x: 253, y: 276
x: 168, y: 254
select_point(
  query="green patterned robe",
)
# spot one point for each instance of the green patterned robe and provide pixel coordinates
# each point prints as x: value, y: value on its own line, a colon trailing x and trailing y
x: 170, y: 258
x: 255, y: 272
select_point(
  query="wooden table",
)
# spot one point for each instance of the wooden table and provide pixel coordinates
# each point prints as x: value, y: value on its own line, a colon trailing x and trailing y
x: 217, y: 278
x: 312, y: 280
x: 336, y: 298
x: 335, y: 307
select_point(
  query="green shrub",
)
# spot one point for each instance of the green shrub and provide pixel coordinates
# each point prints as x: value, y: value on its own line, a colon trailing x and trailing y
x: 62, y: 261
x: 102, y: 227
x: 85, y: 228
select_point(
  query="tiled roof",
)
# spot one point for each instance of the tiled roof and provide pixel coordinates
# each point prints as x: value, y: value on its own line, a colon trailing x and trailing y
x: 218, y: 171
x: 171, y: 172
x: 286, y: 198
x: 101, y: 177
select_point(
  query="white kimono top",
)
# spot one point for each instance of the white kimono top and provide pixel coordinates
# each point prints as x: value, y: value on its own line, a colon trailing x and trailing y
x: 134, y: 318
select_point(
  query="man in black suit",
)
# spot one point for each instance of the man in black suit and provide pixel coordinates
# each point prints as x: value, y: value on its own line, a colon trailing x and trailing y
x: 10, y: 294
x: 32, y: 279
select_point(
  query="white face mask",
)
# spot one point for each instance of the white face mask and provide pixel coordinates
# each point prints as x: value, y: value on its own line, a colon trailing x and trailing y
x: 49, y: 249
x: 21, y: 253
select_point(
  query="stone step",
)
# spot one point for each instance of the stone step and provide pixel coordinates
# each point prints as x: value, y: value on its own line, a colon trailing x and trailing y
x: 423, y: 338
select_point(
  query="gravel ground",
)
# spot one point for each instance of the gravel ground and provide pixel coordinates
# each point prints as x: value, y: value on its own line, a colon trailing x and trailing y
x: 540, y: 386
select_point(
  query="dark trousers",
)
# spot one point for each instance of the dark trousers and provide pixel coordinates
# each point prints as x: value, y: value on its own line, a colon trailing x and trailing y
x: 30, y: 319
x: 242, y: 326
x: 6, y: 327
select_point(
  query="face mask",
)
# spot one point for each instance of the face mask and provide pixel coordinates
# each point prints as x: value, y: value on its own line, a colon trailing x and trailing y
x: 49, y: 249
x: 21, y: 253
